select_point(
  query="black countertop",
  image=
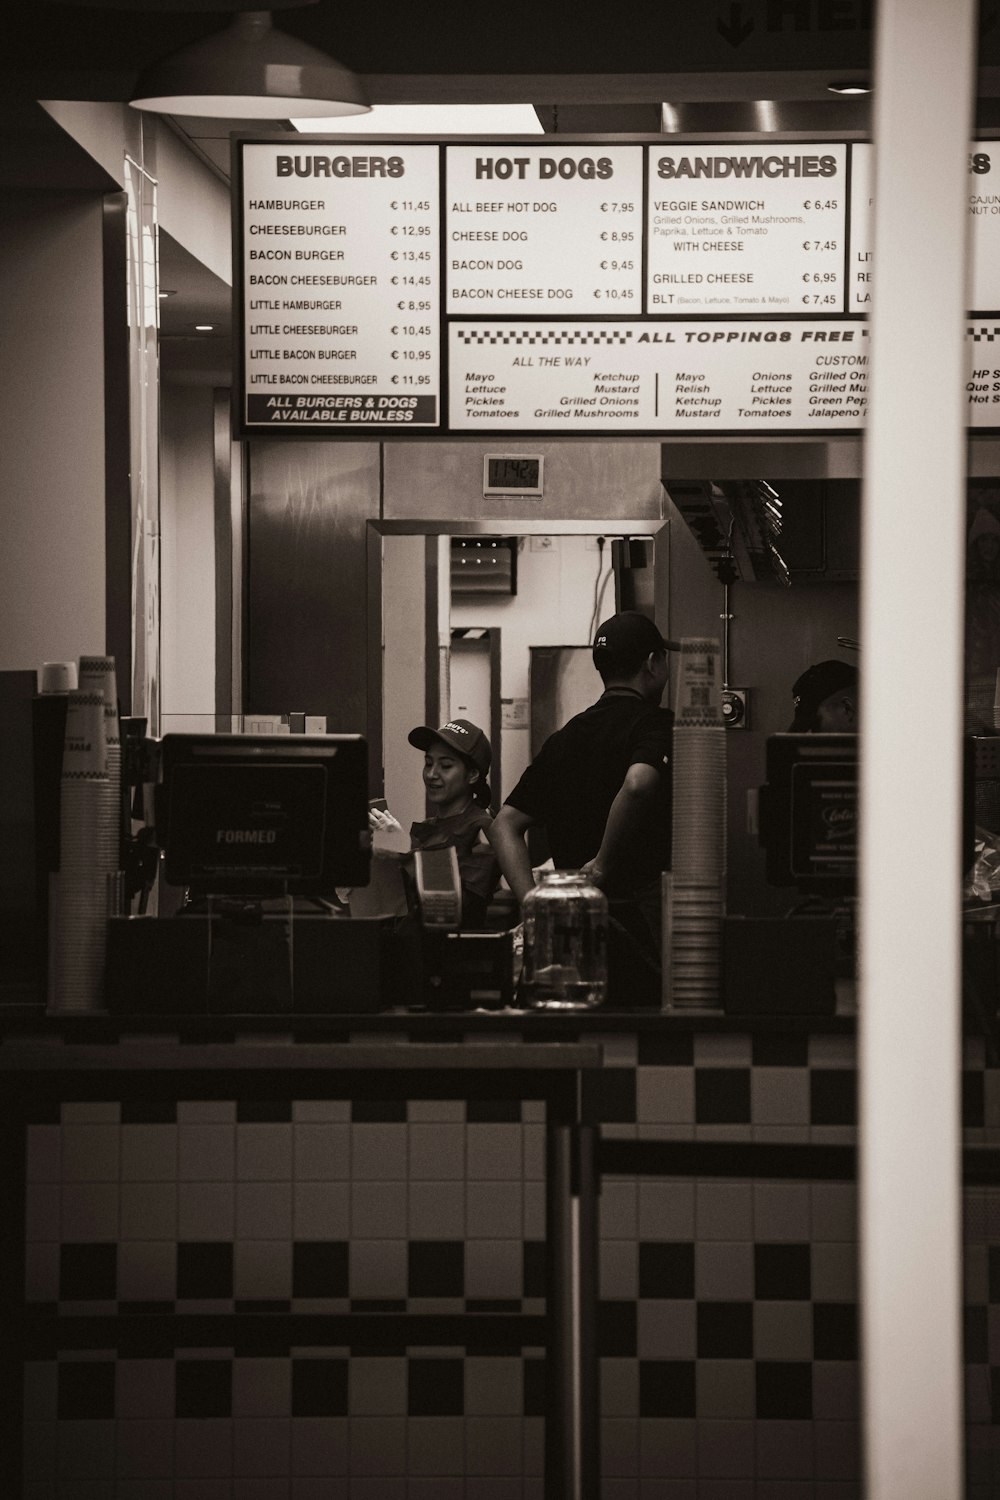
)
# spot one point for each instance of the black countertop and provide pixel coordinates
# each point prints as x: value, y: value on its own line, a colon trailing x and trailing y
x: 24, y: 1021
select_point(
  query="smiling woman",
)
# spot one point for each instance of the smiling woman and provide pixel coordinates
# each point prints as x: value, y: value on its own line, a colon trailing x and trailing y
x: 454, y: 777
x: 457, y: 760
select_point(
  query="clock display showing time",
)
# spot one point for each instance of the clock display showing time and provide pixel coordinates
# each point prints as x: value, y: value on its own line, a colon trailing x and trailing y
x: 512, y: 474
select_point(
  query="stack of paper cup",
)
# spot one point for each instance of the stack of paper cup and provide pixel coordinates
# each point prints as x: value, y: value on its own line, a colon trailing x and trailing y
x: 78, y: 907
x: 97, y: 675
x: 695, y: 889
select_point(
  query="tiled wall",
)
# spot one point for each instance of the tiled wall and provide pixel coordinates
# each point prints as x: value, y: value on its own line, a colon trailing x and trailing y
x: 728, y: 1307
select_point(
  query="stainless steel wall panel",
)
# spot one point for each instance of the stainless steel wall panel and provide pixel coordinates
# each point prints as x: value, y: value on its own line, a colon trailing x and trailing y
x: 435, y: 481
x: 307, y: 608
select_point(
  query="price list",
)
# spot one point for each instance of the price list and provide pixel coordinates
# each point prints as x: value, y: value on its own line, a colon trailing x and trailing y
x: 574, y: 287
x: 859, y: 263
x: 341, y: 276
x: 734, y: 229
x: 983, y: 168
x: 542, y: 230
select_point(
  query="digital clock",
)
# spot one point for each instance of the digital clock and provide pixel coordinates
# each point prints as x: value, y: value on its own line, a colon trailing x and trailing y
x: 512, y: 474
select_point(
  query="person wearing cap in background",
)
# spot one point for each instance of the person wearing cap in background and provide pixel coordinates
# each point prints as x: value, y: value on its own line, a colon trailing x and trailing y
x: 457, y: 760
x: 600, y: 786
x: 826, y: 699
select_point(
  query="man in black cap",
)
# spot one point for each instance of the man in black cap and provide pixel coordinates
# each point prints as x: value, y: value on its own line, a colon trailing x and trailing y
x: 826, y: 699
x: 601, y: 784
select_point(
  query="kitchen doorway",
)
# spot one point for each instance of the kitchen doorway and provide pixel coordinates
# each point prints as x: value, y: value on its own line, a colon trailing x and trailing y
x: 564, y: 572
x: 474, y: 688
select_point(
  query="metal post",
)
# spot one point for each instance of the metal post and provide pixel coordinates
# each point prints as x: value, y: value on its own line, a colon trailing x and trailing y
x: 572, y: 1415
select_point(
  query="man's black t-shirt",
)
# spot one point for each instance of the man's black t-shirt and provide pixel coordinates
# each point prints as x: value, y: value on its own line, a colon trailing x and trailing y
x: 570, y: 785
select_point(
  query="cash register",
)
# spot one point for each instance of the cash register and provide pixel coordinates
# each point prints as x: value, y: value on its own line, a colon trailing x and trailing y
x: 808, y: 827
x: 809, y: 830
x: 264, y: 836
x: 258, y: 831
x: 458, y: 969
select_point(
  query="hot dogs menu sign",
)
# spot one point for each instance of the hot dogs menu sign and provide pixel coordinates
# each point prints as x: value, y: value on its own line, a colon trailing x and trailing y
x: 531, y: 287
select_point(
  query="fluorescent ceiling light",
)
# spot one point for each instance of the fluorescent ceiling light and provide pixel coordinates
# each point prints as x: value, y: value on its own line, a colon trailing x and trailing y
x: 433, y: 119
x: 849, y: 86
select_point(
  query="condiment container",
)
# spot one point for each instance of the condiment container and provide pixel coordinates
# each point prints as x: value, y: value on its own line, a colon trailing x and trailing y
x: 565, y: 944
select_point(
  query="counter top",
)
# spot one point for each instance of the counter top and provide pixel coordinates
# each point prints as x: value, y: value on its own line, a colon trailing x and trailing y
x: 436, y: 1026
x: 157, y: 1055
x: 153, y: 1067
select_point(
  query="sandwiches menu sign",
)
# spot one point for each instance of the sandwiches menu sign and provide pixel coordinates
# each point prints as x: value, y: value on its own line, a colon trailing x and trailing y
x: 567, y: 286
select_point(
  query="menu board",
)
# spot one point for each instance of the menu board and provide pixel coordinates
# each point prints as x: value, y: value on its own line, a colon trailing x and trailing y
x: 544, y: 229
x: 341, y: 299
x: 565, y: 285
x: 984, y: 226
x: 859, y: 274
x: 748, y: 376
x: 584, y: 377
x: 746, y: 230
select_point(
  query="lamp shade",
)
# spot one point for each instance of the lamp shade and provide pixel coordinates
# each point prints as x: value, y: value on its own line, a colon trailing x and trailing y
x: 250, y: 70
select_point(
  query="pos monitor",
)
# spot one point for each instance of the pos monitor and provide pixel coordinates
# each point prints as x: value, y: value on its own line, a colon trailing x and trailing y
x: 809, y: 813
x: 264, y: 815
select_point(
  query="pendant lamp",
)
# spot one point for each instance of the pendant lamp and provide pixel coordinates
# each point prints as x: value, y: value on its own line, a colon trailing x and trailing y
x: 250, y: 70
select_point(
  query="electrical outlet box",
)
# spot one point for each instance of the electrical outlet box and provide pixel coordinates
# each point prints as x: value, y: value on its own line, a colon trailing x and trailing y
x: 736, y: 708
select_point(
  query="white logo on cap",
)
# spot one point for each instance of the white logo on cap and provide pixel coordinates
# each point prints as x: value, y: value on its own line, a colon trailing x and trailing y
x: 456, y: 729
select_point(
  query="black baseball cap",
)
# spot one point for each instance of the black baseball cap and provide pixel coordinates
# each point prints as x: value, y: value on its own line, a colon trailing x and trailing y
x: 624, y: 641
x: 815, y: 686
x: 468, y: 740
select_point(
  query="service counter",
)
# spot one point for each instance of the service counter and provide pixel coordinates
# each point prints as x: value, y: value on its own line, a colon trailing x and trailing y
x: 51, y: 1072
x: 214, y: 1212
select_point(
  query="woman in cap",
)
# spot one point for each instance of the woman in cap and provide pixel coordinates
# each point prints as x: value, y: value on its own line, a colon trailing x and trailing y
x: 457, y: 761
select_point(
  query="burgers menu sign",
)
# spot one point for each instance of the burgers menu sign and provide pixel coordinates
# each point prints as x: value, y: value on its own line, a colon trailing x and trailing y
x: 340, y: 298
x: 571, y: 286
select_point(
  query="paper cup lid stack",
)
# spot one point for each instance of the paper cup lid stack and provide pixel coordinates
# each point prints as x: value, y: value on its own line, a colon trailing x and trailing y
x: 57, y: 677
x: 97, y: 674
x: 699, y: 688
x: 85, y: 748
x: 88, y: 852
x: 696, y: 885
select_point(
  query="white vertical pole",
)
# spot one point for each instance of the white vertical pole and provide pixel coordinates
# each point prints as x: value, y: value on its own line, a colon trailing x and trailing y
x: 911, y: 636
